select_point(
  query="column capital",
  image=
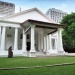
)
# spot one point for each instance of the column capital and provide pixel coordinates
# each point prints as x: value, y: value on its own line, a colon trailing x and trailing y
x: 16, y: 27
x: 60, y: 29
x: 32, y: 25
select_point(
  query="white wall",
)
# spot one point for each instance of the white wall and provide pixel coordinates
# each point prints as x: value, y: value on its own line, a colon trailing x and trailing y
x: 9, y: 25
x: 9, y: 41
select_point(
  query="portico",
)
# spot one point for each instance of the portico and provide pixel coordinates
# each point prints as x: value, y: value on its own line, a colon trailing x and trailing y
x: 41, y: 37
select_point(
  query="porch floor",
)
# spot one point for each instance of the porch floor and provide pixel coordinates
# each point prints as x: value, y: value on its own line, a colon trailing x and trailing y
x: 42, y: 54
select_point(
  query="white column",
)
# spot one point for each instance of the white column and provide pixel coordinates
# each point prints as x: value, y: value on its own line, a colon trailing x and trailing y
x: 24, y: 42
x: 50, y: 42
x: 39, y: 42
x: 0, y: 37
x: 3, y: 38
x: 56, y: 43
x: 60, y: 44
x: 32, y: 39
x: 45, y: 43
x: 42, y: 41
x: 16, y: 39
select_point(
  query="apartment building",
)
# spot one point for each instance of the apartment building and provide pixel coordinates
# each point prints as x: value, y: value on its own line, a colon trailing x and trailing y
x: 55, y: 14
x: 6, y: 8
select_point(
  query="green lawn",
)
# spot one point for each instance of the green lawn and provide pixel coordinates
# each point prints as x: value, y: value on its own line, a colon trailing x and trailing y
x: 23, y: 61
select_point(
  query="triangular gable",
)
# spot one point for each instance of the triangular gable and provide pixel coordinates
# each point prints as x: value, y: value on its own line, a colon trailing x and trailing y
x: 33, y: 13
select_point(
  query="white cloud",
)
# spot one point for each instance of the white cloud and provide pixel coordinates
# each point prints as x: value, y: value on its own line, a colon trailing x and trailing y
x: 64, y: 7
x: 68, y: 6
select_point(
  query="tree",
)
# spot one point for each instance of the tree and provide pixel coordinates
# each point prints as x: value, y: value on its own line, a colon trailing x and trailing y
x: 69, y: 32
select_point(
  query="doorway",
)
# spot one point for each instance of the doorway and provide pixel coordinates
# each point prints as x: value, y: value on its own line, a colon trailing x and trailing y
x: 28, y: 46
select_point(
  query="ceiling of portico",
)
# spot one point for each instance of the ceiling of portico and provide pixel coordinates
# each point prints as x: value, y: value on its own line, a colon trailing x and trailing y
x: 43, y: 30
x: 41, y: 26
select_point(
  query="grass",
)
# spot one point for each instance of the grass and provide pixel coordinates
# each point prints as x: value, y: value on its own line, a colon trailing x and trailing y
x: 23, y: 61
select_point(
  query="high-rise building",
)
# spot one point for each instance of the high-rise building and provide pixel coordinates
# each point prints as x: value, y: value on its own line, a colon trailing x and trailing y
x: 6, y: 8
x: 55, y: 14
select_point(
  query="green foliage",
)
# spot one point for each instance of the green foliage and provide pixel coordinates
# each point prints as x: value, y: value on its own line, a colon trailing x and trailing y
x: 68, y: 19
x: 69, y: 31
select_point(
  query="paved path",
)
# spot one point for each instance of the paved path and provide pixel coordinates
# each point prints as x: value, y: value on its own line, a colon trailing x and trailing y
x: 15, y: 68
x: 70, y: 54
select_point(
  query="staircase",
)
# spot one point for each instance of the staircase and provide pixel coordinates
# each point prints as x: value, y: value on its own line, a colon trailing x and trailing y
x: 40, y: 54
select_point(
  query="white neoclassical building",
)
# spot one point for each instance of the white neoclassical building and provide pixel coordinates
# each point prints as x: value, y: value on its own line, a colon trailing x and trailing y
x: 30, y: 33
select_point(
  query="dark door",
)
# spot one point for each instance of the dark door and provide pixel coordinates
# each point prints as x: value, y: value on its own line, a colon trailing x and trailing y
x: 28, y: 46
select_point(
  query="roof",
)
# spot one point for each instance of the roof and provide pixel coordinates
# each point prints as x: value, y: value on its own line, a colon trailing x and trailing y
x: 40, y: 24
x: 43, y: 24
x: 26, y: 11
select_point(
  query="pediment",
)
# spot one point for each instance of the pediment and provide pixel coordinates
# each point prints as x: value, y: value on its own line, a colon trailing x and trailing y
x: 34, y: 14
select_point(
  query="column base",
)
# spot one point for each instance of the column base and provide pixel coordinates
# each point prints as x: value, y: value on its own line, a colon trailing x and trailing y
x: 3, y: 53
x: 51, y: 52
x: 61, y: 52
x: 47, y: 52
x: 32, y: 53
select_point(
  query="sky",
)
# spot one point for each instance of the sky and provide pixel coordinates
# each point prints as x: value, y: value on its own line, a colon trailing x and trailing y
x: 43, y: 5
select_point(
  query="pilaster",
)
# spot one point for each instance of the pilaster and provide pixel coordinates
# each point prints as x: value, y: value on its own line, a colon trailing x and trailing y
x: 3, y: 38
x: 0, y: 37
